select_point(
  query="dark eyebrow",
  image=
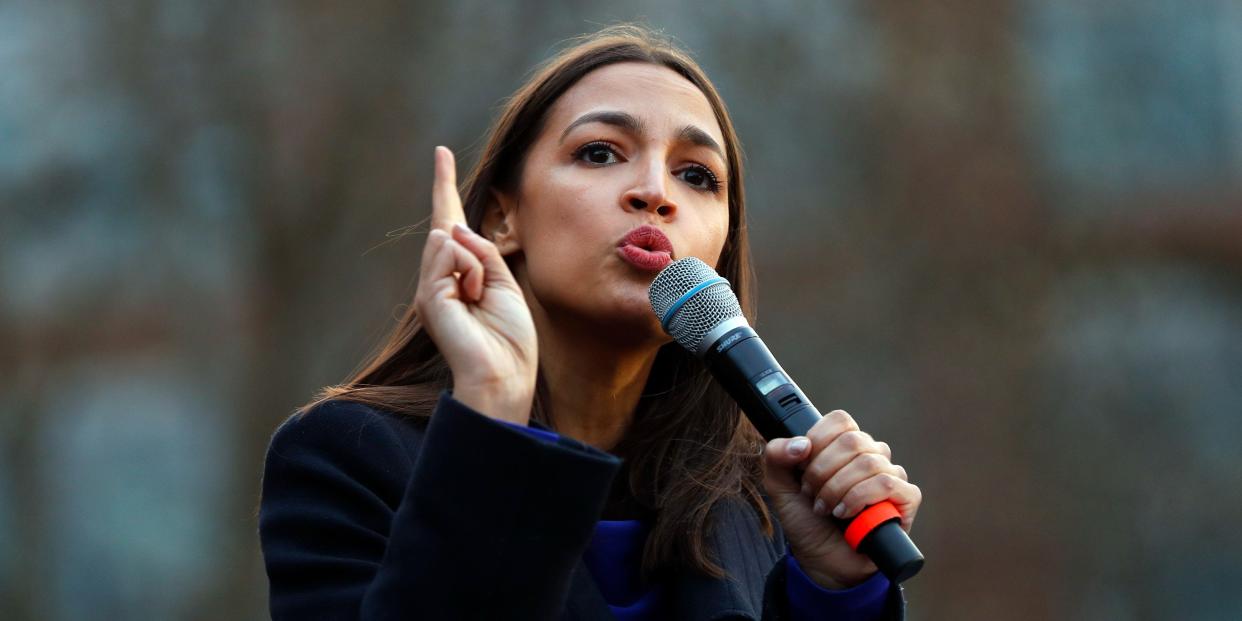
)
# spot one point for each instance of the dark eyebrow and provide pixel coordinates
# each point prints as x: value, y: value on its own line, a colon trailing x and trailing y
x: 631, y: 124
x: 700, y: 138
x: 623, y: 120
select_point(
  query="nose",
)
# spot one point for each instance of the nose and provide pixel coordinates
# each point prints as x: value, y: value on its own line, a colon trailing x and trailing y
x: 650, y: 192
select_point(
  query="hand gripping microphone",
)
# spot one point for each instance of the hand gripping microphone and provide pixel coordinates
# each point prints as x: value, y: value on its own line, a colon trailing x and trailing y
x: 697, y: 307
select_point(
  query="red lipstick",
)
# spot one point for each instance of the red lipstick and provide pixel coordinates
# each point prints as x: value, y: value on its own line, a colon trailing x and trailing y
x: 646, y: 248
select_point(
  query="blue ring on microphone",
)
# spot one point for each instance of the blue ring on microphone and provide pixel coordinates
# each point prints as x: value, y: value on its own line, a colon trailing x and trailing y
x: 685, y: 297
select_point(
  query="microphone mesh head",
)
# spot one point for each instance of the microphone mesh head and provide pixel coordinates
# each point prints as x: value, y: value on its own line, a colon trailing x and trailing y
x: 699, y: 314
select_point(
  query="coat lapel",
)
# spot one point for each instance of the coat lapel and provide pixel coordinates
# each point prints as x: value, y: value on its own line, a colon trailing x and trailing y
x: 746, y: 554
x: 585, y: 602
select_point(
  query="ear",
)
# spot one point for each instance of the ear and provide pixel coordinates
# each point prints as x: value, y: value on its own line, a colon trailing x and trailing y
x: 500, y: 222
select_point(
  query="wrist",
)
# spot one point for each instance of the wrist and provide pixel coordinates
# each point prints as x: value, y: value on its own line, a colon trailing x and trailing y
x: 496, y: 399
x: 831, y: 580
x: 826, y: 581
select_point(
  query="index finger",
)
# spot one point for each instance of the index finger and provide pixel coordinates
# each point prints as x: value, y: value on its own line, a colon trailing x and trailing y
x: 446, y: 207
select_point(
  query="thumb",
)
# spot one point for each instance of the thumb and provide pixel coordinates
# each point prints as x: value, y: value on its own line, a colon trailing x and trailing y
x: 780, y: 456
x: 494, y: 267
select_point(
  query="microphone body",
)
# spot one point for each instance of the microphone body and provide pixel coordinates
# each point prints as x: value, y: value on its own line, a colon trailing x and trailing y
x: 744, y: 366
x: 699, y: 309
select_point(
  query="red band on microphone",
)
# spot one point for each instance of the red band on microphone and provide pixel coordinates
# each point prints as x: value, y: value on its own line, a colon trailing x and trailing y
x: 865, y: 522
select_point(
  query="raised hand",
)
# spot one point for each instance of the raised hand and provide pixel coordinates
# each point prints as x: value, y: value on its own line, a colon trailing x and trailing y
x: 473, y: 309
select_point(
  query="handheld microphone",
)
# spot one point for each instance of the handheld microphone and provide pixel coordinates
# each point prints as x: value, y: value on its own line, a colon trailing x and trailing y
x: 698, y: 308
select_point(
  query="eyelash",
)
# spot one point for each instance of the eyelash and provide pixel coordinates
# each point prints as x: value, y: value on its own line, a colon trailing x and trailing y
x: 713, y: 182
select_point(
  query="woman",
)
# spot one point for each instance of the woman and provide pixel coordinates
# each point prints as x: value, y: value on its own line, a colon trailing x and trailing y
x: 529, y: 443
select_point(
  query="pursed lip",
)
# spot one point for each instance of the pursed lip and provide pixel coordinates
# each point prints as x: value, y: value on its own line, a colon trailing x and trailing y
x: 649, y: 238
x: 646, y: 248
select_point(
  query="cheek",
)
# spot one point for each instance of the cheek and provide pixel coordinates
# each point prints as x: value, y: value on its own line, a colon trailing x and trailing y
x: 714, y: 232
x: 564, y: 235
x: 563, y: 222
x: 722, y: 236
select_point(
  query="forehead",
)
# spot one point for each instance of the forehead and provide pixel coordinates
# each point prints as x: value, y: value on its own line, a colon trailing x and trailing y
x: 657, y: 95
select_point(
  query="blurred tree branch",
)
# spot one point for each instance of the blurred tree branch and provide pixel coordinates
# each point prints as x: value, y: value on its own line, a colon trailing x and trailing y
x: 1203, y: 227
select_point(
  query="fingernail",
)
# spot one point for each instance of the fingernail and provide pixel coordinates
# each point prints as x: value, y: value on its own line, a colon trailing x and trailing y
x: 839, y: 511
x: 820, y: 507
x: 798, y: 446
x: 463, y: 228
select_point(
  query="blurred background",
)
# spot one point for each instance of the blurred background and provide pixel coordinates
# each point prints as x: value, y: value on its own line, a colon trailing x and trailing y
x: 1007, y: 236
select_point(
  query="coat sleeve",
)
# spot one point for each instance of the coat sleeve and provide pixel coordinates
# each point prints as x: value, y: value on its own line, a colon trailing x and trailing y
x: 861, y: 603
x: 777, y: 586
x: 477, y: 517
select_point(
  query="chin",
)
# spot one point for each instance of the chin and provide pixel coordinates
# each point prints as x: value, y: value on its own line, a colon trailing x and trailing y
x: 637, y: 312
x: 630, y: 316
x: 614, y: 310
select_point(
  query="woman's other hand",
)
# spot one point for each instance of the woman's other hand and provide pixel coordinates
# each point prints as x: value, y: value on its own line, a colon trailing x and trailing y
x: 474, y: 310
x: 843, y: 470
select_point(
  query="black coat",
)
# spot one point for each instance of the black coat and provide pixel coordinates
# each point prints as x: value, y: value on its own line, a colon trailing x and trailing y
x: 370, y: 515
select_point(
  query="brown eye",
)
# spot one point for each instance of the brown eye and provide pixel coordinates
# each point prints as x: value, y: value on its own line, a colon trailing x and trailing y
x: 701, y: 178
x: 598, y: 153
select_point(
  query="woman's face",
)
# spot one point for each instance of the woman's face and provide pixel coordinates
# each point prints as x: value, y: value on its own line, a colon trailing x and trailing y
x: 630, y: 145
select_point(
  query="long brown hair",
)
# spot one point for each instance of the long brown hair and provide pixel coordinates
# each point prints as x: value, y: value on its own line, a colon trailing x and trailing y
x: 688, y: 448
